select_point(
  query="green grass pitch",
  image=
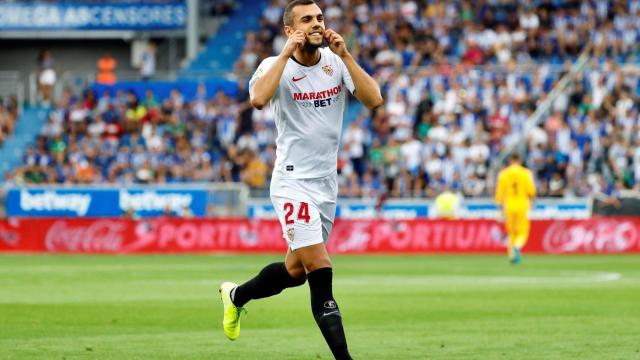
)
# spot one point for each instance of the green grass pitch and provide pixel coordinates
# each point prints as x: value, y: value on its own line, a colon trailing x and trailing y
x: 394, y: 307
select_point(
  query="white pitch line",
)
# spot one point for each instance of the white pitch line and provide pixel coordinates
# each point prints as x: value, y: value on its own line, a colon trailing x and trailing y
x: 371, y: 282
x: 552, y: 279
x: 611, y: 276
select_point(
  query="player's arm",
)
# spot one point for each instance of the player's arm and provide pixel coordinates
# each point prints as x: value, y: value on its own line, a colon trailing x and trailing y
x: 263, y: 89
x: 366, y: 90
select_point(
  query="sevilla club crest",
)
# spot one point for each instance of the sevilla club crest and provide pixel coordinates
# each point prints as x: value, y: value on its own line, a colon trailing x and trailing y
x: 328, y: 70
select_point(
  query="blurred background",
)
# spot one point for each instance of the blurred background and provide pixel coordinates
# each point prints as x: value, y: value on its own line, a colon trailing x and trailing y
x: 136, y: 109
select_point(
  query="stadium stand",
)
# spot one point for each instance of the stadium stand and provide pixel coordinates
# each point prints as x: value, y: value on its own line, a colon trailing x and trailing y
x: 460, y: 80
x: 221, y: 51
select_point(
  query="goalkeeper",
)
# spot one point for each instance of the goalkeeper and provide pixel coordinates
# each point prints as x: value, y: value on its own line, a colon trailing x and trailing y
x: 514, y: 194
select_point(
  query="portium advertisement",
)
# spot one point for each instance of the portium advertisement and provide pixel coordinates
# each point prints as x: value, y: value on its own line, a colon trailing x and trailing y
x: 175, y: 235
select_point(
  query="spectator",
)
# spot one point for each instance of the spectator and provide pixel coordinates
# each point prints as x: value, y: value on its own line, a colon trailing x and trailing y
x: 46, y: 76
x: 7, y: 121
x: 148, y: 62
x: 353, y: 144
x: 106, y: 69
x: 254, y: 170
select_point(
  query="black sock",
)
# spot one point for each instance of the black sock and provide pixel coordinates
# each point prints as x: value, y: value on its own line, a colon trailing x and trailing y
x: 270, y: 281
x: 326, y: 312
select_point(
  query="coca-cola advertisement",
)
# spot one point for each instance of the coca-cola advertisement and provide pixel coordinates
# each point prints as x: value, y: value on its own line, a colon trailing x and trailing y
x: 598, y: 235
x: 91, y: 236
x: 173, y: 235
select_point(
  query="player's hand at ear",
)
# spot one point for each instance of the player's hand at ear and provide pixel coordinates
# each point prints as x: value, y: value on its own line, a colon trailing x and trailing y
x: 336, y: 42
x: 296, y: 40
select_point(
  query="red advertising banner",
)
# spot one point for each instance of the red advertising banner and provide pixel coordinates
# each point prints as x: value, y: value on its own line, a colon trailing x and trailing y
x: 169, y: 235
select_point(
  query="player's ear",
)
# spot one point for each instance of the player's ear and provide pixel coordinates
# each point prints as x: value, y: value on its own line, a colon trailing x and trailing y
x: 288, y: 30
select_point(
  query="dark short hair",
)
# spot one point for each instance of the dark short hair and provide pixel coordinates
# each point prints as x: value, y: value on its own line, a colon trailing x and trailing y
x: 287, y: 18
x: 515, y: 156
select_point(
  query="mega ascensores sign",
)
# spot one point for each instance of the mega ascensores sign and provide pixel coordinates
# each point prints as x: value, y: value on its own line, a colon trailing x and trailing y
x: 67, y: 16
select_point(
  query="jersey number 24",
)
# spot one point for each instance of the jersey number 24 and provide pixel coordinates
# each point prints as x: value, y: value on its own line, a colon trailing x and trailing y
x: 303, y: 212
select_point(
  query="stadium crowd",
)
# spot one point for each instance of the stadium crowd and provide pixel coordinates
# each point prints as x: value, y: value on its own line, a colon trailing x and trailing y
x: 460, y: 79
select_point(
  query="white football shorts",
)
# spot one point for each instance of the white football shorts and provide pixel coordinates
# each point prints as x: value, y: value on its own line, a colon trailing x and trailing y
x: 306, y: 208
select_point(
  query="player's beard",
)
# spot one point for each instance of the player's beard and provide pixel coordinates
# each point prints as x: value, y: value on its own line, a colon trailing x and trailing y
x: 309, y: 47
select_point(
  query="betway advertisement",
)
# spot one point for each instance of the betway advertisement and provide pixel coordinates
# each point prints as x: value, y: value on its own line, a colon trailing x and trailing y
x: 107, y: 202
x: 174, y: 235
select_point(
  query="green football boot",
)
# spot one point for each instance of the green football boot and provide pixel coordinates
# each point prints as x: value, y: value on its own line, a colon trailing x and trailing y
x: 231, y: 315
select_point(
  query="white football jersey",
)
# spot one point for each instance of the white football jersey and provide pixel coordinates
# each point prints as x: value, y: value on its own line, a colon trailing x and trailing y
x: 308, y: 107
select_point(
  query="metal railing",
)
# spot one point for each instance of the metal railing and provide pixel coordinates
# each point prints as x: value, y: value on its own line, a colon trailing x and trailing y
x: 79, y: 81
x: 12, y: 85
x: 3, y: 202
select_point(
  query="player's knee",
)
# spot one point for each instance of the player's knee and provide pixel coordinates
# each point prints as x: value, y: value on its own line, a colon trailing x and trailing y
x: 295, y: 270
x: 298, y: 281
x: 297, y: 275
x: 314, y: 257
x: 316, y: 264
